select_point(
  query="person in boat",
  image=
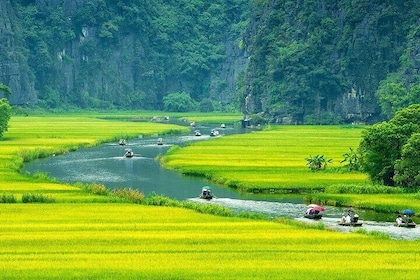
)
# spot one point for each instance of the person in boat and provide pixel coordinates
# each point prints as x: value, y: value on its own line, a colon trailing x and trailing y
x: 399, y: 220
x: 355, y: 218
x: 310, y: 211
x: 347, y: 220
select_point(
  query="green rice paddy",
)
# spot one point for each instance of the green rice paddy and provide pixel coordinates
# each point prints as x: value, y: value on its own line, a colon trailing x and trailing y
x: 83, y: 236
x: 273, y: 159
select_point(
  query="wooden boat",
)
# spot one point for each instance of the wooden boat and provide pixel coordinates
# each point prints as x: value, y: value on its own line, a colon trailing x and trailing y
x: 214, y: 133
x: 351, y: 224
x: 406, y: 224
x: 206, y: 193
x: 128, y: 153
x: 314, y: 216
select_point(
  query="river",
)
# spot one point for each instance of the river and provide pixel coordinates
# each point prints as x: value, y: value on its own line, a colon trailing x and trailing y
x: 106, y: 164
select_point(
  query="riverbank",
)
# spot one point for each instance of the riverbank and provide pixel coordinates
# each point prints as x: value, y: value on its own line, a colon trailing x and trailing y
x: 273, y: 161
x: 82, y: 235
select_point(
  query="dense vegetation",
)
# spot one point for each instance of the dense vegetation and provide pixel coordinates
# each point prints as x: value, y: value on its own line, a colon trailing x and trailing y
x: 5, y: 110
x: 161, y: 47
x: 301, y: 61
x: 389, y: 151
x: 305, y: 55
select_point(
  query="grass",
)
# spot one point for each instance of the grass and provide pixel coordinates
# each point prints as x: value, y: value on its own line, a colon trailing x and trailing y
x: 278, y: 153
x: 85, y: 236
x: 120, y: 241
x: 273, y: 161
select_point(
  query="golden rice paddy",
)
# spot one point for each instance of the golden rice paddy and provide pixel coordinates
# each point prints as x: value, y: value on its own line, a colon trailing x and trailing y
x: 82, y: 236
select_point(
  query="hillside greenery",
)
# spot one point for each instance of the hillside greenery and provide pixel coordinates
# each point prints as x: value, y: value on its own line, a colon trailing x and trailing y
x: 312, y: 62
x: 307, y: 55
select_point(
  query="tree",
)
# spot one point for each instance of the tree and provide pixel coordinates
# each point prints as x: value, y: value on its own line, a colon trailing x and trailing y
x: 351, y: 159
x: 392, y: 96
x: 5, y: 89
x: 317, y: 162
x: 5, y: 111
x: 178, y: 102
x: 382, y: 144
x: 407, y: 169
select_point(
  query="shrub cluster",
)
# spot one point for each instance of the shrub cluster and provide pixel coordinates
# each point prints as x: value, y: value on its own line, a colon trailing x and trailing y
x: 130, y: 195
x: 7, y: 198
x: 98, y: 189
x: 36, y: 198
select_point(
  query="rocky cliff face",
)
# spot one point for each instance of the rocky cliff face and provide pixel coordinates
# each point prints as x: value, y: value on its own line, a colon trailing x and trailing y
x: 130, y: 75
x: 14, y: 69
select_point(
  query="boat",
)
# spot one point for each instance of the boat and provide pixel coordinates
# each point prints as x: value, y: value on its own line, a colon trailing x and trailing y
x: 129, y: 153
x: 206, y: 193
x: 314, y: 212
x: 350, y: 219
x: 406, y: 224
x: 122, y: 142
x: 160, y: 141
x: 351, y: 224
x: 214, y: 133
x: 197, y: 133
x: 314, y: 216
x: 405, y: 220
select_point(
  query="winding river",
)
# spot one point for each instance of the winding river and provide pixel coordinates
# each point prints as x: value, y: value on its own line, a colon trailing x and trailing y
x: 106, y: 164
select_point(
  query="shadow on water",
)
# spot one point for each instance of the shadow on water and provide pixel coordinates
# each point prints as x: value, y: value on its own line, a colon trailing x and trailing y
x: 107, y: 165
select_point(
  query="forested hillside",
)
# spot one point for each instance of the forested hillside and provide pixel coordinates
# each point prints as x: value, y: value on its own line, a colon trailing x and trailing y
x: 325, y: 61
x: 289, y: 61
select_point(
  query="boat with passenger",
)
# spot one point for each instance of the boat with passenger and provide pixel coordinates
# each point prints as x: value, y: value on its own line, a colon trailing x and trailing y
x: 129, y: 153
x: 122, y: 142
x: 350, y: 219
x: 160, y: 141
x: 404, y: 219
x: 314, y: 212
x: 206, y: 193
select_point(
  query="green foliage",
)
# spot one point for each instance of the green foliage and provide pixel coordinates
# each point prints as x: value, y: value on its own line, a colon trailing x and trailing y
x: 392, y: 96
x: 206, y: 105
x: 5, y: 89
x: 317, y: 162
x: 302, y: 59
x: 7, y: 198
x: 5, y: 112
x: 36, y: 198
x: 407, y: 169
x: 351, y: 158
x: 382, y: 144
x: 178, y: 102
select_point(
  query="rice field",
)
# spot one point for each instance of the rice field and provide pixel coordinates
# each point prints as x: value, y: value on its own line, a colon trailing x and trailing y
x: 121, y: 241
x: 272, y: 159
x: 83, y: 236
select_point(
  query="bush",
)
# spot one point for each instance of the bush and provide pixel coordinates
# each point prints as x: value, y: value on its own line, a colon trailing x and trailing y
x: 98, y: 189
x: 206, y: 105
x: 129, y: 195
x: 178, y: 102
x: 36, y: 198
x: 7, y: 198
